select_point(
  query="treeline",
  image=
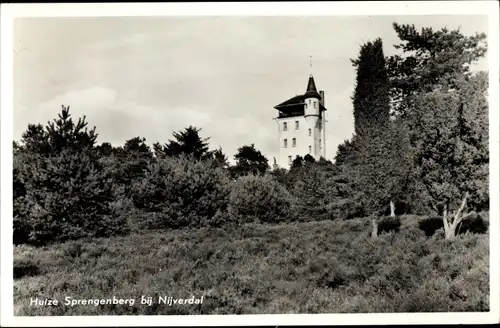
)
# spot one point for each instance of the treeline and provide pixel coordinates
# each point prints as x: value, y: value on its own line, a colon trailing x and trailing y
x: 420, y: 147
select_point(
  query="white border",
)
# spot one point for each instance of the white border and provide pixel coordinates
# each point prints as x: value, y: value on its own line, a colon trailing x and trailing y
x: 11, y: 11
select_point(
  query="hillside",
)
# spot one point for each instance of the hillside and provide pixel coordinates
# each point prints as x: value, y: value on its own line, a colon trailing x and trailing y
x: 314, y: 267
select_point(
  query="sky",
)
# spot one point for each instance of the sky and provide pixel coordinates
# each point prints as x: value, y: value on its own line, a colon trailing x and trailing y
x: 150, y: 76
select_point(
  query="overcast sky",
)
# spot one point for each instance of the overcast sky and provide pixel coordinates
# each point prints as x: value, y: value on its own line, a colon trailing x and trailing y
x: 150, y: 76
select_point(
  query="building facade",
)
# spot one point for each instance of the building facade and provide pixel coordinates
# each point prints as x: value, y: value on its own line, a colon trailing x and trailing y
x: 301, y: 126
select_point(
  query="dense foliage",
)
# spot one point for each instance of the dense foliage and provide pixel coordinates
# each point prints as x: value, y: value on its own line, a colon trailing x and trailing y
x: 256, y: 198
x: 420, y: 147
x: 414, y: 177
x: 181, y: 192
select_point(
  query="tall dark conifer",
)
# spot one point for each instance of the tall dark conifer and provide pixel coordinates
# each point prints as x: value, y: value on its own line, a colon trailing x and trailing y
x: 371, y: 97
x: 378, y: 171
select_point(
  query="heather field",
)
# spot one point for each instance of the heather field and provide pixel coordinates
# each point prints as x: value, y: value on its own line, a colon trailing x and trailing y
x: 194, y: 208
x: 313, y: 267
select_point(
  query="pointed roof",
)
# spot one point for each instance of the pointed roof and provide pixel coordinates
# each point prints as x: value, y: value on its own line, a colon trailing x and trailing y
x: 296, y: 103
x: 311, y: 92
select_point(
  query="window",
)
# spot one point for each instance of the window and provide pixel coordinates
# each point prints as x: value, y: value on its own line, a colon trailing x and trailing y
x: 285, y: 143
x: 320, y: 143
x: 285, y: 126
x: 309, y: 101
x: 319, y: 125
x: 290, y: 159
x: 296, y: 125
x: 310, y: 131
x: 314, y: 105
x: 294, y: 142
x: 310, y: 149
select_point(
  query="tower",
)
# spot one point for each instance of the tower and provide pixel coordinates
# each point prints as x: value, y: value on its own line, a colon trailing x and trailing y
x: 301, y: 125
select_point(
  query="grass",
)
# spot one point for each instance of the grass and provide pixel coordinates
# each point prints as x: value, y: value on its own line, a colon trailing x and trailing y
x: 313, y: 267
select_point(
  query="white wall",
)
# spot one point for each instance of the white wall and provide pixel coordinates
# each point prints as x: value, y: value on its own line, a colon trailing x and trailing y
x: 303, y: 140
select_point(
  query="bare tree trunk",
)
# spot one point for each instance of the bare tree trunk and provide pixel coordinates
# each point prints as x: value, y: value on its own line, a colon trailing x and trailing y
x: 374, y: 227
x: 450, y: 229
x: 446, y: 225
x: 393, y: 209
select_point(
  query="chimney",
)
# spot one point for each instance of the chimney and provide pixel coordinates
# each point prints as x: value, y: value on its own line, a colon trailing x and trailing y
x: 322, y: 94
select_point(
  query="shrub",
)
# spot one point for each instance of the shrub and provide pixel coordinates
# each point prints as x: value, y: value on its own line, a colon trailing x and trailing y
x: 25, y: 267
x: 180, y: 192
x: 259, y: 199
x: 67, y: 196
x: 315, y: 188
x: 430, y: 225
x: 346, y: 209
x: 475, y: 223
x: 388, y: 224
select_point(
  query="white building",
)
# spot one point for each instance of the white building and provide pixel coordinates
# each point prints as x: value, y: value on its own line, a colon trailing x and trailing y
x: 301, y: 126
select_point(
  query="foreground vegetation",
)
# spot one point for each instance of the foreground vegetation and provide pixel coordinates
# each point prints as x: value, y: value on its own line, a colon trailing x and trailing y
x: 311, y: 267
x: 100, y: 221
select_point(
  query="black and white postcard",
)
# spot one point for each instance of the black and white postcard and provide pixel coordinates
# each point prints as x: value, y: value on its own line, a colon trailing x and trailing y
x: 250, y: 163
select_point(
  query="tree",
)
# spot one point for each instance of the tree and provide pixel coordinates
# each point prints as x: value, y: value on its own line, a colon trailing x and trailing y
x: 430, y: 59
x: 315, y: 187
x: 187, y: 142
x: 249, y: 160
x: 309, y: 159
x: 444, y: 106
x: 63, y: 133
x: 382, y: 169
x: 133, y: 161
x: 106, y: 149
x: 345, y: 152
x: 60, y: 134
x: 62, y: 190
x: 371, y: 96
x: 452, y: 149
x: 297, y: 162
x: 219, y: 158
x: 181, y: 191
x: 379, y: 167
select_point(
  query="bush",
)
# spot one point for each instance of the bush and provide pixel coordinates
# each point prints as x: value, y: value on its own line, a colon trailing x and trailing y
x: 181, y: 192
x: 389, y: 224
x: 67, y: 196
x: 475, y: 223
x: 346, y: 209
x: 259, y: 199
x: 315, y: 188
x: 430, y: 225
x: 25, y: 267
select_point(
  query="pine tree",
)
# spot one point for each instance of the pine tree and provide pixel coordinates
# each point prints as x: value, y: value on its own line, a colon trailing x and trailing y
x: 430, y: 59
x: 62, y: 189
x: 187, y: 142
x: 219, y: 158
x: 249, y: 160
